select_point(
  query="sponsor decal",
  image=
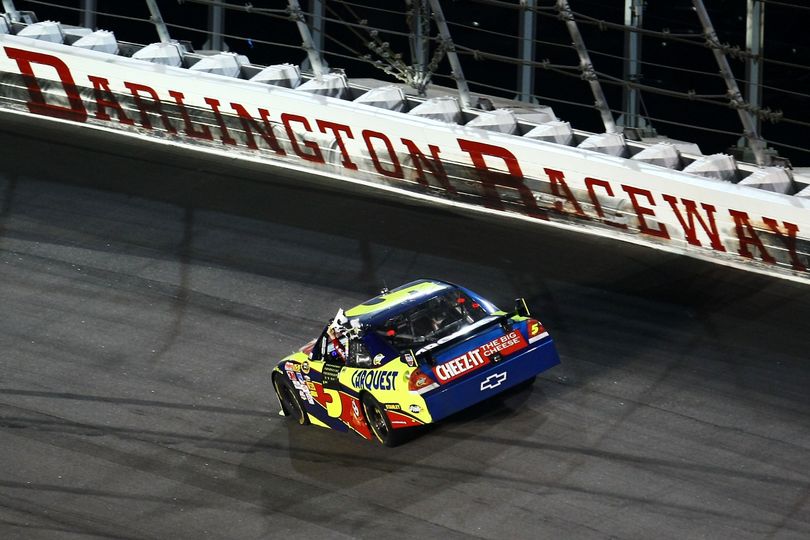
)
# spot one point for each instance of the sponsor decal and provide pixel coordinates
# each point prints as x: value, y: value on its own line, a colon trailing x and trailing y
x: 378, y: 359
x: 401, y: 420
x: 457, y: 367
x: 302, y: 387
x: 330, y: 374
x: 375, y: 380
x: 478, y: 358
x: 536, y: 330
x: 312, y: 388
x: 393, y: 406
x: 355, y: 409
x: 409, y: 359
x: 427, y: 347
x: 305, y: 367
x: 493, y: 381
x: 505, y: 345
x: 415, y: 409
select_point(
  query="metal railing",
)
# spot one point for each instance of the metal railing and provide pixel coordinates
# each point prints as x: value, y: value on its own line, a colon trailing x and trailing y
x: 542, y: 51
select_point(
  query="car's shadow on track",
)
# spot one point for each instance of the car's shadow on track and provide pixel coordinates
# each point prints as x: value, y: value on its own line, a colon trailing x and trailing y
x: 343, y: 460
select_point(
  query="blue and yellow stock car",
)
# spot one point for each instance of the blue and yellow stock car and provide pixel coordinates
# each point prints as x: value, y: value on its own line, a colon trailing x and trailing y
x: 408, y: 357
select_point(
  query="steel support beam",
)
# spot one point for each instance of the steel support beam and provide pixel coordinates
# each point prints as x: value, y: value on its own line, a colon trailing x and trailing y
x: 754, y: 41
x: 586, y: 66
x: 527, y: 30
x: 750, y: 131
x: 420, y: 42
x: 317, y: 20
x: 88, y: 15
x: 452, y: 56
x: 157, y: 20
x: 11, y: 11
x: 633, y: 19
x: 216, y: 27
x: 313, y: 53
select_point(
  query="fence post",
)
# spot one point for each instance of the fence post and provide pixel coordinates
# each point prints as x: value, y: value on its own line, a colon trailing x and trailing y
x: 313, y: 53
x: 585, y: 65
x: 452, y: 56
x: 751, y: 133
x: 528, y: 27
x: 157, y: 20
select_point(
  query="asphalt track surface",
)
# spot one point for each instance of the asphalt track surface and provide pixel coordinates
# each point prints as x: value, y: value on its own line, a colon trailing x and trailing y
x: 144, y: 298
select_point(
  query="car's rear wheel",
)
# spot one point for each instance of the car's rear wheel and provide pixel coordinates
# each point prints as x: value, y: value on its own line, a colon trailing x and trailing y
x: 290, y: 402
x: 379, y: 423
x: 524, y: 385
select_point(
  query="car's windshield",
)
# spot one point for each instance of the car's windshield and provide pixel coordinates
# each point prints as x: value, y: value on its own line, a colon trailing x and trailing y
x: 431, y: 320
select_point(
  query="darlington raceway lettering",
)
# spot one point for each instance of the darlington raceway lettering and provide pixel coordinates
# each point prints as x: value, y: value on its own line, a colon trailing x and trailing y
x: 693, y: 217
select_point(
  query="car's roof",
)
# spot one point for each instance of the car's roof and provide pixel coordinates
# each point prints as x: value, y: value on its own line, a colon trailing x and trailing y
x: 392, y: 302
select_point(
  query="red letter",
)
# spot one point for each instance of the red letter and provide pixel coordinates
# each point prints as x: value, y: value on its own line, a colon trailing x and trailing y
x: 642, y: 211
x: 435, y: 165
x: 323, y: 125
x: 155, y: 107
x: 589, y: 183
x: 225, y: 137
x: 790, y: 241
x: 105, y: 99
x: 249, y: 123
x: 557, y: 180
x: 741, y: 220
x: 37, y: 104
x: 490, y: 178
x: 316, y: 156
x: 689, y: 229
x: 397, y: 172
x: 204, y: 133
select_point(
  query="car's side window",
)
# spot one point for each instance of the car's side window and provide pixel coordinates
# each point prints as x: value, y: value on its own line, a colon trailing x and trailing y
x: 358, y: 354
x: 319, y: 349
x: 331, y: 352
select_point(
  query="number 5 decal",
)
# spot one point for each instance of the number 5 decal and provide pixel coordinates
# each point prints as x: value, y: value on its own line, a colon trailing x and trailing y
x: 331, y: 400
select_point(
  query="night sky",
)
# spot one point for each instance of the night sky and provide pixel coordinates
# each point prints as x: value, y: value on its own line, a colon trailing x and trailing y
x: 476, y: 25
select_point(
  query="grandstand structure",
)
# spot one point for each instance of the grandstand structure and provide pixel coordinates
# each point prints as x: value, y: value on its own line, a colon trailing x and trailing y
x: 638, y: 66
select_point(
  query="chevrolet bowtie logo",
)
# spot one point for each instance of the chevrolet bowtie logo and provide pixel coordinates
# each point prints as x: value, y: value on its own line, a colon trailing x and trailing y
x: 493, y: 381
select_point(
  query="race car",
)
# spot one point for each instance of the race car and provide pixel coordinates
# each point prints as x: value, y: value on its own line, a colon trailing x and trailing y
x: 410, y: 357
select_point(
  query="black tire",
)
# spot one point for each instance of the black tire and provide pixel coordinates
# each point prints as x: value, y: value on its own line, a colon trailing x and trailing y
x: 290, y: 401
x: 524, y: 385
x: 378, y: 422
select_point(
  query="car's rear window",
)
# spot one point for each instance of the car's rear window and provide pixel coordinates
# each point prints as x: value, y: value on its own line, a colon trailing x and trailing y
x: 431, y: 320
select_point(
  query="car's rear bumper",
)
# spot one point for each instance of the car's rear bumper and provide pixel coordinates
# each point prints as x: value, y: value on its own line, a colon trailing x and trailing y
x: 491, y: 380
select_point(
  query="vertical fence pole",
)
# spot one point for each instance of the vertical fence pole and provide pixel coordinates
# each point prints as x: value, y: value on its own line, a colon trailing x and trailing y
x: 420, y: 44
x: 316, y: 23
x: 528, y: 27
x: 633, y: 16
x: 452, y: 57
x: 750, y: 131
x: 754, y: 40
x: 313, y: 53
x: 11, y: 11
x: 216, y: 27
x: 157, y: 20
x: 88, y: 16
x: 586, y: 66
